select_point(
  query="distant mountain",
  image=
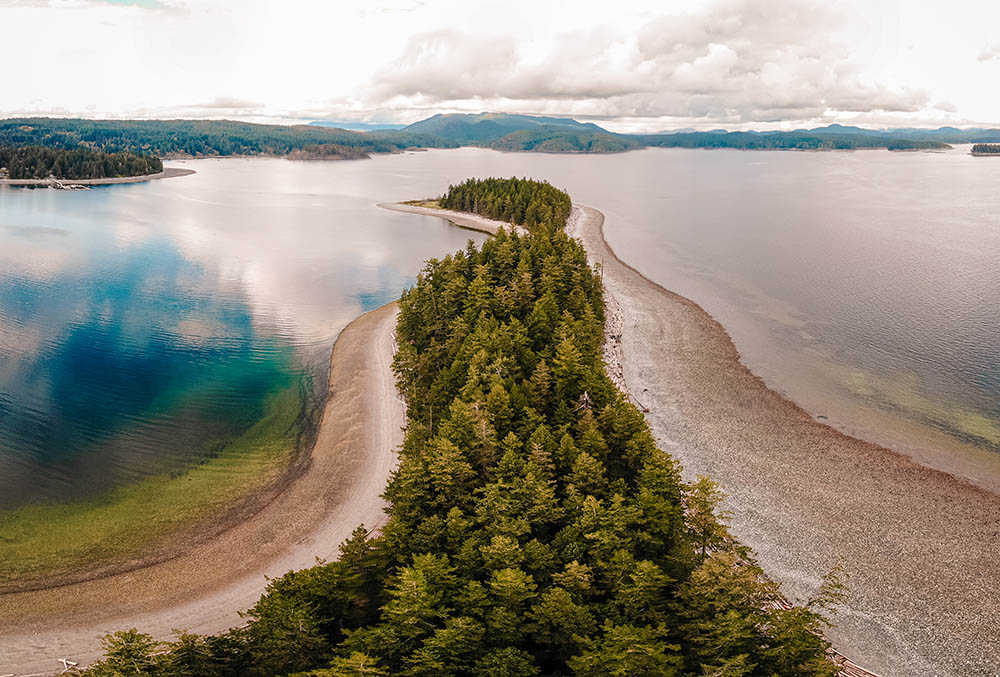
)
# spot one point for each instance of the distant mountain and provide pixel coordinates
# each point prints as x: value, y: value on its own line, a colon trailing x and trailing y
x: 355, y: 126
x: 845, y: 129
x: 508, y: 132
x: 481, y: 128
x: 550, y: 139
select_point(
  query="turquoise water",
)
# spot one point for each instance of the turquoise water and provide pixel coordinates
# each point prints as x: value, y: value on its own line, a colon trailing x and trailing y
x: 142, y: 326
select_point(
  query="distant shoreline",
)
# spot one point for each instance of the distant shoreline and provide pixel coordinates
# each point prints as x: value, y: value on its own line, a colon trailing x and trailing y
x: 167, y: 173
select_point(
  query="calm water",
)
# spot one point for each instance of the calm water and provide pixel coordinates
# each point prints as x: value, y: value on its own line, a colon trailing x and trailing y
x: 141, y: 324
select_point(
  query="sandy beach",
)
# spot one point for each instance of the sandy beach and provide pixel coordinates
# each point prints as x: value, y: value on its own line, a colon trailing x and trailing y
x: 167, y: 173
x: 203, y: 590
x: 918, y: 545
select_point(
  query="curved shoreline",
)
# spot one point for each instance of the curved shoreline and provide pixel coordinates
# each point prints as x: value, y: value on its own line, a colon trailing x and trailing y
x: 917, y: 544
x: 167, y: 173
x: 203, y: 590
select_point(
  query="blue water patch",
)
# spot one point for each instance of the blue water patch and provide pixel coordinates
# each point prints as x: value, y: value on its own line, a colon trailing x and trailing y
x: 130, y: 354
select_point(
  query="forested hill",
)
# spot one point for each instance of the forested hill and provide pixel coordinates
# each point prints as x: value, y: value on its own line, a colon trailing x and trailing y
x: 35, y: 162
x: 201, y: 138
x: 534, y: 526
x: 503, y: 131
x: 486, y: 127
x: 818, y: 139
x: 499, y: 131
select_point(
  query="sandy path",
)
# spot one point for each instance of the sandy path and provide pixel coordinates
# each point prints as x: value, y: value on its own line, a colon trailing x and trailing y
x: 920, y: 546
x: 167, y: 173
x: 202, y: 590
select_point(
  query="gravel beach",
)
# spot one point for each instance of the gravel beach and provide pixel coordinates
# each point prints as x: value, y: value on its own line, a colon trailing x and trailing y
x: 461, y: 219
x: 167, y: 173
x: 918, y: 545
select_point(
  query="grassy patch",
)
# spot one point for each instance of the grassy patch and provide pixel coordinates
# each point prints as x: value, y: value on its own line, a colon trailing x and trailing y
x: 430, y: 204
x: 55, y: 540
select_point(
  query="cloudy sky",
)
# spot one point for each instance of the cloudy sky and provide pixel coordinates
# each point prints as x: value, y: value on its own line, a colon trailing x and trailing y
x: 659, y: 64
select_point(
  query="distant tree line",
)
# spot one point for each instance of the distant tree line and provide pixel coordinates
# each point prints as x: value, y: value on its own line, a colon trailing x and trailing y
x: 198, y: 138
x: 986, y: 148
x: 328, y: 151
x: 816, y: 140
x: 36, y: 162
x: 519, y: 201
x: 534, y: 526
x: 556, y: 140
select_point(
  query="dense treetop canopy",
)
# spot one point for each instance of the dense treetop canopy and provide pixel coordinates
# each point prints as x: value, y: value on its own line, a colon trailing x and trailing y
x: 35, y: 162
x: 534, y: 526
x: 519, y: 201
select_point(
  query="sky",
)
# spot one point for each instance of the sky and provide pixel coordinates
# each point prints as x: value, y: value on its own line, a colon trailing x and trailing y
x: 628, y: 65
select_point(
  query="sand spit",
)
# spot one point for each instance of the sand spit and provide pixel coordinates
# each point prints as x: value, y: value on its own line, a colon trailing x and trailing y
x: 461, y: 219
x: 919, y: 545
x: 201, y: 591
x: 167, y: 173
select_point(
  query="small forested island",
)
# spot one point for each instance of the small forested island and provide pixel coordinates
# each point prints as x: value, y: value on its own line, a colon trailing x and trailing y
x: 328, y: 151
x: 37, y: 162
x: 522, y: 202
x: 534, y: 526
x: 986, y: 149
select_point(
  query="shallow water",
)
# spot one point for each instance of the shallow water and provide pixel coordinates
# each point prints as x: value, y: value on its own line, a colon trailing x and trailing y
x: 142, y: 324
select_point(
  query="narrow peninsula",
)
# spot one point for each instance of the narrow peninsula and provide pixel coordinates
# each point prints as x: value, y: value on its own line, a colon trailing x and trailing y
x: 534, y: 526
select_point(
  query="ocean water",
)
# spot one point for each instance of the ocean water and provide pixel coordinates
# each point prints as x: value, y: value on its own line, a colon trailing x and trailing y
x: 142, y: 325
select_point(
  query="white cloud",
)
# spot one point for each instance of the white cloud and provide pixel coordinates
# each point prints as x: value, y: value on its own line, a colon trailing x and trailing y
x: 991, y: 53
x: 739, y: 61
x: 671, y: 62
